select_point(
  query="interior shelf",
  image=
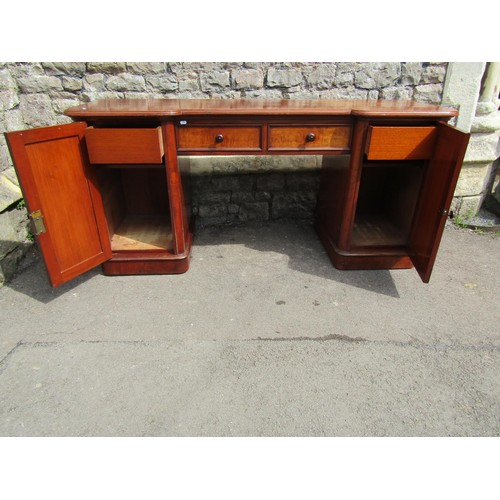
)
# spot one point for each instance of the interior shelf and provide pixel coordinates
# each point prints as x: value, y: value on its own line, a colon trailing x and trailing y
x: 377, y: 230
x: 143, y: 232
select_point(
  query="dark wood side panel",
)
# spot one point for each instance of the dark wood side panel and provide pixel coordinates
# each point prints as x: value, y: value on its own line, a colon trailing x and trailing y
x: 56, y: 179
x: 331, y: 195
x: 436, y: 195
x: 178, y: 213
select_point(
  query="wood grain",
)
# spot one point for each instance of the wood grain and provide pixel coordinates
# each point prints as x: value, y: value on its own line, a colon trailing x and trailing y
x: 124, y: 145
x: 143, y: 232
x: 335, y: 138
x: 106, y: 108
x: 204, y: 138
x: 52, y: 168
x: 400, y: 143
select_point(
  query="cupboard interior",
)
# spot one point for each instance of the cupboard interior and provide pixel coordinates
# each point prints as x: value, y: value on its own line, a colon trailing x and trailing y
x: 387, y: 199
x: 136, y: 206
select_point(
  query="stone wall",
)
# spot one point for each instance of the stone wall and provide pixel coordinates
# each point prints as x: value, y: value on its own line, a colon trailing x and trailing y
x: 36, y: 94
x: 474, y: 89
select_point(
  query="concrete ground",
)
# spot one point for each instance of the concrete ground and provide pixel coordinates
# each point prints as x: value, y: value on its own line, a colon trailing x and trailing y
x: 262, y: 337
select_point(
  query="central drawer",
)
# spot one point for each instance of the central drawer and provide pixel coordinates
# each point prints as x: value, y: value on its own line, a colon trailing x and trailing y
x: 309, y: 137
x: 219, y: 138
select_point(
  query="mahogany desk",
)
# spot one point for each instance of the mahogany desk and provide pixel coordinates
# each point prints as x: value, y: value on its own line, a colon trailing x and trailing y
x: 112, y: 187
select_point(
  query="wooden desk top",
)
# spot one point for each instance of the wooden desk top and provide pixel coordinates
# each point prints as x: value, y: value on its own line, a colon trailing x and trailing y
x: 188, y: 107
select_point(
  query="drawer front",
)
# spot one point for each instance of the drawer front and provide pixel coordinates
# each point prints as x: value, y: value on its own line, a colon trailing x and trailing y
x: 214, y: 138
x: 124, y: 145
x: 400, y: 143
x: 313, y: 137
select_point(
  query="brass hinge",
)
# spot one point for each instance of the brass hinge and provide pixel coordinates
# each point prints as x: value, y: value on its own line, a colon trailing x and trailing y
x: 37, y: 222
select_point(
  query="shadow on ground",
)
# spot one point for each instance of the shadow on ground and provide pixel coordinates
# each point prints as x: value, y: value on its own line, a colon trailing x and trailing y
x: 295, y: 239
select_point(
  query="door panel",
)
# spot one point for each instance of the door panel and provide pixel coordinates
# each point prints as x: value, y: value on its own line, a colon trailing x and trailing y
x: 436, y: 195
x: 57, y: 180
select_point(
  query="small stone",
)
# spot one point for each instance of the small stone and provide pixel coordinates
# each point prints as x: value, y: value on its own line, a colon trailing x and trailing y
x: 377, y: 75
x: 6, y: 80
x: 283, y: 77
x: 247, y: 79
x: 254, y: 211
x: 428, y: 93
x: 215, y: 80
x: 106, y: 67
x: 64, y: 68
x: 37, y: 84
x: 264, y: 94
x: 14, y: 120
x: 190, y: 85
x: 295, y: 204
x: 70, y: 83
x: 126, y: 82
x: 8, y: 100
x: 345, y: 93
x: 433, y: 74
x: 37, y: 110
x: 163, y: 83
x: 402, y: 93
x: 411, y: 72
x: 94, y: 83
x: 322, y: 77
x: 146, y: 67
x: 10, y: 193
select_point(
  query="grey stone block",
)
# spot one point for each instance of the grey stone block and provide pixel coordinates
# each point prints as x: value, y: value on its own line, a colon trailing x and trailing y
x: 254, y: 211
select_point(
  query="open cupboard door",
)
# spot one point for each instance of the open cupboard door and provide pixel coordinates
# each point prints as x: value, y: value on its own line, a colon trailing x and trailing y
x: 436, y: 196
x: 63, y: 201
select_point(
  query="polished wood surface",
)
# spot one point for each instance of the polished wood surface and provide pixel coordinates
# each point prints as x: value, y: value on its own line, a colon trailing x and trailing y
x: 124, y: 145
x: 214, y: 107
x: 400, y: 143
x: 143, y: 232
x: 312, y: 137
x: 435, y: 200
x: 389, y: 170
x: 218, y: 138
x: 181, y: 225
x: 56, y: 178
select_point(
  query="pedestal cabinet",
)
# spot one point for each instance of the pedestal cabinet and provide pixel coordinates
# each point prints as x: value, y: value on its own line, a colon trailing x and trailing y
x: 112, y: 188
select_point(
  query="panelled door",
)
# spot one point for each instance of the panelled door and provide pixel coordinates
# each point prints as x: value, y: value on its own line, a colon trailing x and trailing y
x: 62, y: 197
x: 436, y: 196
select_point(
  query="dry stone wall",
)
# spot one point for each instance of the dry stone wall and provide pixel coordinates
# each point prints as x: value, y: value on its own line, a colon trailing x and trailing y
x: 36, y: 94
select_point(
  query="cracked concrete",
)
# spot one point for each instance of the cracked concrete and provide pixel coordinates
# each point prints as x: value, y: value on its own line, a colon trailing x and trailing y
x: 262, y: 337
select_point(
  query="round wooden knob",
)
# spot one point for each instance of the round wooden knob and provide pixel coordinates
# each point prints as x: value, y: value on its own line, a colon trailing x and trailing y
x: 219, y: 138
x: 310, y: 137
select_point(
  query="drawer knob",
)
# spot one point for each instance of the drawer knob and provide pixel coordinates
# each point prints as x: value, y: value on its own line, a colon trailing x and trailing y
x: 310, y: 137
x: 219, y: 138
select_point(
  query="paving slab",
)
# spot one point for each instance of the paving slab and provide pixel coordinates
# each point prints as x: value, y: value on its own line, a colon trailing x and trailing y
x: 262, y: 337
